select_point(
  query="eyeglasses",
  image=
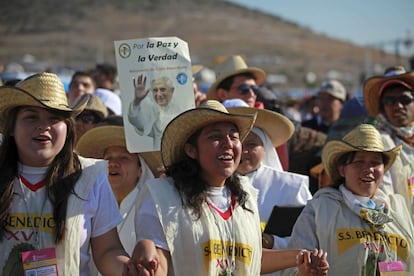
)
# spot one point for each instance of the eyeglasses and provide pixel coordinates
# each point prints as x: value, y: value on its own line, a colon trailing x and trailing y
x: 88, y: 118
x: 404, y: 100
x: 245, y: 88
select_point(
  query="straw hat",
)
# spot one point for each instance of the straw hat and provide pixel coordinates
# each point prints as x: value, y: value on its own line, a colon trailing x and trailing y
x: 153, y: 160
x: 235, y: 65
x: 364, y: 137
x: 277, y: 127
x: 96, y: 140
x: 196, y: 68
x: 374, y: 86
x: 42, y: 90
x: 96, y: 105
x: 184, y: 125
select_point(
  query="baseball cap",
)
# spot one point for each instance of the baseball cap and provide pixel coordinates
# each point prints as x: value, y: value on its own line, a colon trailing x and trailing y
x: 333, y: 88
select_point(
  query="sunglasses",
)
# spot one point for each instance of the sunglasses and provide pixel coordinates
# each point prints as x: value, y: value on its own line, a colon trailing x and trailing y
x: 404, y: 100
x: 88, y: 118
x: 245, y: 88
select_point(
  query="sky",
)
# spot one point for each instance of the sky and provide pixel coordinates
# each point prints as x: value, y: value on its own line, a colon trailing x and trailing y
x: 379, y: 23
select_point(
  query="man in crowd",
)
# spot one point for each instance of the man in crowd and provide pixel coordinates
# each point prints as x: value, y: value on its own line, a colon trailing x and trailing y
x: 390, y: 100
x: 330, y: 100
x: 80, y: 84
x: 234, y: 79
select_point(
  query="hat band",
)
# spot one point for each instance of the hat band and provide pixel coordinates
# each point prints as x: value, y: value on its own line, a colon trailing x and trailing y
x: 395, y: 73
x: 390, y: 82
x: 363, y: 147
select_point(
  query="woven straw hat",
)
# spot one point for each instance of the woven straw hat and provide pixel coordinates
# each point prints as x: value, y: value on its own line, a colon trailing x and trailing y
x: 277, y: 127
x: 42, y: 90
x: 234, y: 65
x: 96, y: 105
x: 374, y: 86
x: 187, y: 123
x: 96, y: 140
x: 364, y: 137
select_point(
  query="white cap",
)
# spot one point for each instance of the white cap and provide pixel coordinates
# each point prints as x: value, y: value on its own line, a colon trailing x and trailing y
x: 333, y: 88
x: 111, y: 100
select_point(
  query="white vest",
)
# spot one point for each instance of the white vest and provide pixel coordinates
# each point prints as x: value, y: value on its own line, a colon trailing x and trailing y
x: 210, y: 244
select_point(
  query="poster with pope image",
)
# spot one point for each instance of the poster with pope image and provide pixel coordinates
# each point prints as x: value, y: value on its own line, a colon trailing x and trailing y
x: 155, y: 81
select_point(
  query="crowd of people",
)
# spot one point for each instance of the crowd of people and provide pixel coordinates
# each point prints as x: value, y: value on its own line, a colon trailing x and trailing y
x: 241, y: 185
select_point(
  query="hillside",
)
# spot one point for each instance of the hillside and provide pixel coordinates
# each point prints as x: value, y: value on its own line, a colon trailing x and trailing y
x: 79, y: 33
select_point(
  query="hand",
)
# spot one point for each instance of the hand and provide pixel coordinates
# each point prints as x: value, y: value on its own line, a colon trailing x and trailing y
x: 145, y: 258
x: 312, y: 263
x: 200, y: 98
x: 161, y: 172
x: 139, y: 87
x: 131, y: 269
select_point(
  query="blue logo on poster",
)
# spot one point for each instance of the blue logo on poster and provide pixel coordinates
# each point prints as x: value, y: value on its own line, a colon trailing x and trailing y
x: 182, y: 78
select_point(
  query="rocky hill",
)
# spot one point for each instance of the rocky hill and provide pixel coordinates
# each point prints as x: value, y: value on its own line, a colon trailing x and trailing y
x: 79, y: 33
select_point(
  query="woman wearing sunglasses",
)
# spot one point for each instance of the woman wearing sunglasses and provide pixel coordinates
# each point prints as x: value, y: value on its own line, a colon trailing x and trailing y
x: 390, y: 100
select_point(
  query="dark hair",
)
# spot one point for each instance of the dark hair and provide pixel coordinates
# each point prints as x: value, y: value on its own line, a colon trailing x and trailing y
x: 112, y: 120
x: 12, y: 82
x: 192, y: 188
x: 228, y: 82
x: 61, y: 176
x: 106, y: 69
x: 82, y: 74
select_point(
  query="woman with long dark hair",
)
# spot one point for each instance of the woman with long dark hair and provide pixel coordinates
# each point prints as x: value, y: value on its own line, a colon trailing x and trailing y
x: 55, y: 205
x: 203, y: 217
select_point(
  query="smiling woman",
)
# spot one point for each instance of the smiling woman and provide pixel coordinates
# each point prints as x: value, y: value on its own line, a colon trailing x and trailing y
x: 44, y: 180
x: 38, y: 148
x: 354, y: 204
x: 127, y: 173
x: 203, y: 213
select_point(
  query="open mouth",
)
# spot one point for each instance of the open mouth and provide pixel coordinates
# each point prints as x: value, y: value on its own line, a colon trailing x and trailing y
x: 225, y: 157
x: 42, y: 138
x: 114, y: 173
x: 367, y: 180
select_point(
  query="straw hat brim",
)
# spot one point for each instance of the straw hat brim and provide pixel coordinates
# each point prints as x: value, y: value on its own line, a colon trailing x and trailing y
x: 153, y: 160
x: 372, y: 86
x: 258, y: 74
x: 180, y: 129
x: 196, y: 68
x: 12, y: 97
x: 95, y: 104
x: 278, y: 127
x: 95, y: 141
x: 333, y: 150
x: 316, y: 170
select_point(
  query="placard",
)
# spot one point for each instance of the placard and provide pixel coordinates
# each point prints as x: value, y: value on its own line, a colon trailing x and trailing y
x: 156, y: 85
